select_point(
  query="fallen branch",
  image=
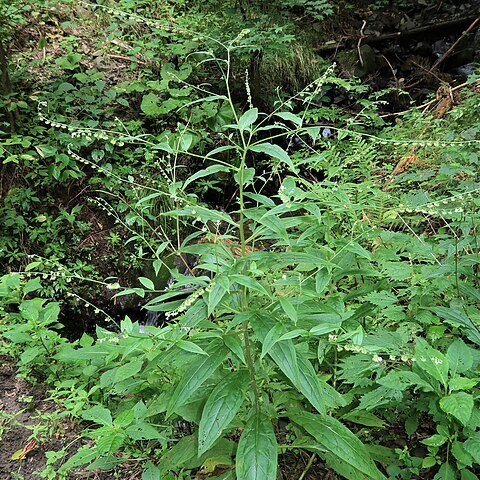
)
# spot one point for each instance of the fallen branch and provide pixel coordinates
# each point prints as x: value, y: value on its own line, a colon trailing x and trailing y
x: 430, y: 103
x: 452, y: 48
x: 401, y: 35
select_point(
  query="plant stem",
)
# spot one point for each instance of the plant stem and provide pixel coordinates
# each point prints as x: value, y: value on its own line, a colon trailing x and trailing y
x: 308, y: 466
x: 250, y: 365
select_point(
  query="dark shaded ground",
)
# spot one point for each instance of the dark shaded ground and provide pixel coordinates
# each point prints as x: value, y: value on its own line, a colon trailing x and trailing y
x: 20, y: 406
x: 27, y: 420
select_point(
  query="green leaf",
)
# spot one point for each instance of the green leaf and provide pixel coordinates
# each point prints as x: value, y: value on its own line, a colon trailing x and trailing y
x: 211, y: 170
x: 462, y: 383
x: 147, y: 283
x: 458, y: 318
x: 261, y: 199
x: 110, y: 442
x: 143, y: 431
x: 460, y: 357
x: 149, y: 105
x: 431, y: 361
x: 205, y: 214
x: 195, y: 375
x: 299, y: 371
x: 30, y: 309
x: 467, y: 475
x: 309, y: 384
x: 358, y: 250
x: 248, y: 118
x: 257, y: 450
x: 404, y: 379
x: 124, y: 419
x: 215, y: 295
x: 250, y: 283
x: 84, y: 455
x: 446, y: 472
x: 235, y: 345
x: 128, y: 370
x: 429, y: 462
x: 274, y: 151
x: 184, y: 452
x: 245, y: 176
x: 322, y: 280
x: 221, y: 407
x: 291, y: 117
x: 29, y: 354
x: 220, y: 150
x: 460, y: 454
x: 344, y: 451
x: 32, y: 285
x: 190, y: 347
x: 50, y: 312
x: 472, y: 446
x: 292, y: 334
x: 98, y: 414
x: 435, y: 440
x: 151, y: 472
x: 459, y: 405
x: 288, y: 308
x: 363, y: 417
x: 381, y: 299
x: 271, y: 338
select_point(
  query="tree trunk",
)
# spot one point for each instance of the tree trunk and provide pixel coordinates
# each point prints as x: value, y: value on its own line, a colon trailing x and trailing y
x: 6, y: 87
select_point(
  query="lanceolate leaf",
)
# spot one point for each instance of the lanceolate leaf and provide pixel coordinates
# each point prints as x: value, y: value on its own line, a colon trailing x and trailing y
x: 215, y: 297
x: 274, y: 151
x: 248, y: 118
x: 282, y: 353
x: 220, y: 409
x: 290, y: 117
x: 298, y: 370
x: 128, y: 370
x: 346, y: 453
x: 458, y: 318
x: 271, y: 338
x: 431, y: 361
x: 195, y: 375
x: 257, y: 450
x: 313, y: 389
x: 460, y: 357
x: 211, y: 170
x: 288, y: 308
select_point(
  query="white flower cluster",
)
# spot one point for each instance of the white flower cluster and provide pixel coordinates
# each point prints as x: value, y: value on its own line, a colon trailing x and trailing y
x: 103, y: 205
x: 89, y: 134
x: 353, y: 348
x: 375, y: 358
x: 186, y: 304
x: 285, y: 196
x: 247, y: 89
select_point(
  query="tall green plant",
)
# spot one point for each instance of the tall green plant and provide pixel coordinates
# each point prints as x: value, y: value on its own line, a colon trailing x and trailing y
x: 251, y: 328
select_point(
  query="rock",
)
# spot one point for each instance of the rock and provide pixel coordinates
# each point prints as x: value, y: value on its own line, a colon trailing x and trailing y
x: 350, y: 61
